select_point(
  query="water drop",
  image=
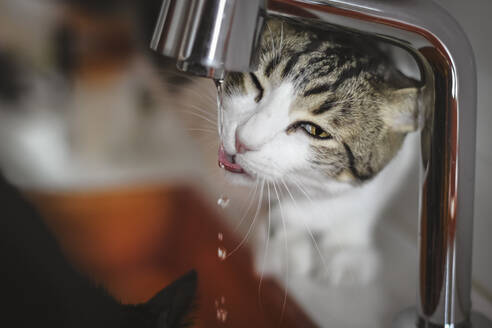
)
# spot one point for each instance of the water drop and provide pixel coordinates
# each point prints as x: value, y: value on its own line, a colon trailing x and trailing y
x: 220, y: 236
x: 222, y: 253
x: 223, y: 201
x: 221, y: 311
x: 220, y: 113
x: 222, y: 315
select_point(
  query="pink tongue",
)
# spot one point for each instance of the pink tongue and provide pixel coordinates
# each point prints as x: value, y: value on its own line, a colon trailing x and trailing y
x: 226, y: 164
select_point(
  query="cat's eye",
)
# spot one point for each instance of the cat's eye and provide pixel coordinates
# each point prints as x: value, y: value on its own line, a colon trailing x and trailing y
x: 312, y: 129
x: 258, y: 86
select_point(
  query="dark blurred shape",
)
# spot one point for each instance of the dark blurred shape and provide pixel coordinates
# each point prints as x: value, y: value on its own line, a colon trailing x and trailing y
x: 170, y: 308
x: 12, y: 85
x: 147, y: 13
x: 135, y: 240
x: 64, y: 49
x: 41, y: 289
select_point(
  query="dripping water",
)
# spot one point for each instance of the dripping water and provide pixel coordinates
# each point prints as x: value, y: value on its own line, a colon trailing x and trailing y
x: 221, y: 310
x: 223, y: 201
x: 221, y: 253
x: 220, y: 115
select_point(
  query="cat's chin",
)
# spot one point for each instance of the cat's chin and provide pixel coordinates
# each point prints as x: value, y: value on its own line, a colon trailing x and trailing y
x: 240, y: 179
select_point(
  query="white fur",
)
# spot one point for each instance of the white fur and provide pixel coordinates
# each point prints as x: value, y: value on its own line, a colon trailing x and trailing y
x: 327, y: 225
x: 343, y: 225
x: 261, y: 127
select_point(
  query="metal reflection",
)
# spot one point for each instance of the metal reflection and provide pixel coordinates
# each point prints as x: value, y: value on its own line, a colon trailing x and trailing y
x: 448, y: 136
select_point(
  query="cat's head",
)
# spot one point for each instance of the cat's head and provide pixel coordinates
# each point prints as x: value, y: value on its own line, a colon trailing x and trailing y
x: 324, y: 109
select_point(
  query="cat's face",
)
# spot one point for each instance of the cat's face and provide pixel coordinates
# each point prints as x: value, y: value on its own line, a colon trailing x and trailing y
x: 320, y: 112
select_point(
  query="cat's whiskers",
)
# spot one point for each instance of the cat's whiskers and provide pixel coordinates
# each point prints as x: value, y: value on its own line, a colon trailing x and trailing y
x: 266, y: 244
x: 206, y: 138
x: 197, y: 111
x: 201, y: 110
x: 202, y: 130
x: 349, y: 93
x: 200, y: 116
x: 191, y: 96
x: 170, y: 71
x: 302, y: 188
x: 175, y: 72
x: 258, y: 169
x: 286, y: 252
x: 315, y: 243
x: 304, y: 192
x: 250, y: 200
x: 204, y: 94
x: 252, y: 225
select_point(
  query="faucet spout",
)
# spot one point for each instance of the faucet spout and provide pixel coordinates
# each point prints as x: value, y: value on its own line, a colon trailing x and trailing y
x: 210, y: 36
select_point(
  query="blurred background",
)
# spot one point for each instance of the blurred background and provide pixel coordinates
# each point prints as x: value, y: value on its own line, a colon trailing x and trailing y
x: 117, y: 152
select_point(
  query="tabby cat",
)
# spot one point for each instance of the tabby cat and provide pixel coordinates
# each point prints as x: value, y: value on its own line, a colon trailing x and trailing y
x: 321, y: 124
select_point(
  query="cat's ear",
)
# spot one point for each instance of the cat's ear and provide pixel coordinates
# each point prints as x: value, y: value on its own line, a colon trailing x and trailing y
x: 173, y: 304
x: 401, y: 110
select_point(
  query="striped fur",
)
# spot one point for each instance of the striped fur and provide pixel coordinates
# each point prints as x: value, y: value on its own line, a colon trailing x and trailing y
x: 345, y: 85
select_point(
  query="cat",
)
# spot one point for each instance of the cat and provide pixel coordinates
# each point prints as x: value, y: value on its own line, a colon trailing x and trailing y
x: 41, y: 289
x: 321, y: 125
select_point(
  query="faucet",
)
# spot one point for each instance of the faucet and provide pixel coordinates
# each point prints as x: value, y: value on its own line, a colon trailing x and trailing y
x: 209, y: 37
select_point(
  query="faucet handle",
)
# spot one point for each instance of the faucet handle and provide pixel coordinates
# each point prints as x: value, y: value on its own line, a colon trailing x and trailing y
x: 208, y: 37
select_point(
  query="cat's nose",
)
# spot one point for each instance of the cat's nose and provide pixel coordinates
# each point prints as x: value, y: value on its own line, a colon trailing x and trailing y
x: 240, y: 146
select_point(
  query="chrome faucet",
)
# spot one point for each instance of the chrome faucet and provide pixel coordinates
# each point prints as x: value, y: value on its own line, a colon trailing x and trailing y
x: 209, y: 37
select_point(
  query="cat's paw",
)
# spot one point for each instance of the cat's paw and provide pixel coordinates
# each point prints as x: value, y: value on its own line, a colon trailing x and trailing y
x: 290, y: 252
x: 349, y: 265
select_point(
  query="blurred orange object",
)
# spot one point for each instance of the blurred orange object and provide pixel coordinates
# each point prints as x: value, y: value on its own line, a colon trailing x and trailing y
x: 137, y: 241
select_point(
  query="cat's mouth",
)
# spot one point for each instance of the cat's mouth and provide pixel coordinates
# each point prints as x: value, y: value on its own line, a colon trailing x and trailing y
x: 228, y: 162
